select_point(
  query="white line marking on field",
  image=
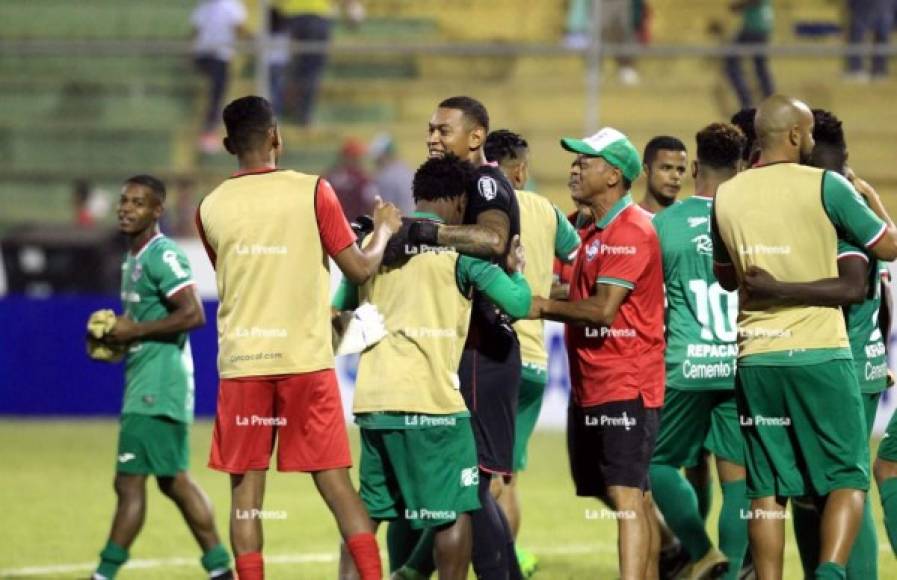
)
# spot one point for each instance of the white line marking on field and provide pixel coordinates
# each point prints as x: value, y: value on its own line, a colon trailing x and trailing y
x: 277, y: 559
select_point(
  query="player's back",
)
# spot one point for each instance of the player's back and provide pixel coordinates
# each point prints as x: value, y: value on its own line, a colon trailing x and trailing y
x: 773, y: 217
x: 415, y: 367
x: 272, y: 274
x: 701, y: 321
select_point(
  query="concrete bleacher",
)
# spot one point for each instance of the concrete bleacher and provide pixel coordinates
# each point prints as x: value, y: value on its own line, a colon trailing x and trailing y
x: 69, y: 116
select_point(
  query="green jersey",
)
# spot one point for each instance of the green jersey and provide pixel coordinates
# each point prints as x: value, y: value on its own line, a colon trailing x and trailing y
x: 866, y: 341
x: 701, y: 317
x: 758, y: 17
x: 158, y: 372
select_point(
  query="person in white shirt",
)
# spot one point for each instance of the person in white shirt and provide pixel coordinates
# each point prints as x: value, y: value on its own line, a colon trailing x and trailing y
x: 216, y: 26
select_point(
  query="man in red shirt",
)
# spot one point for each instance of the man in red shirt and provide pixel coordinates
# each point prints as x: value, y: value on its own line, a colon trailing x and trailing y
x: 615, y: 343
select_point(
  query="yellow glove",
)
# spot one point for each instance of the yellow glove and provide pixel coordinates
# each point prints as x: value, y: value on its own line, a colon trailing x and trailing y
x: 98, y: 325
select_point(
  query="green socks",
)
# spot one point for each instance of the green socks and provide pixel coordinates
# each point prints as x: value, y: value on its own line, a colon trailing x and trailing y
x: 733, y: 527
x: 830, y: 571
x: 863, y: 561
x: 216, y: 559
x: 112, y: 558
x: 677, y: 502
x: 888, y: 492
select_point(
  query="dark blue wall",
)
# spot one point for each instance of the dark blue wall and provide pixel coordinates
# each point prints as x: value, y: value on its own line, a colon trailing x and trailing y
x: 44, y: 369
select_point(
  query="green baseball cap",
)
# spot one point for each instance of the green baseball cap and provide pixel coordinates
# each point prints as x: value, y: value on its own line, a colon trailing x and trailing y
x: 612, y: 146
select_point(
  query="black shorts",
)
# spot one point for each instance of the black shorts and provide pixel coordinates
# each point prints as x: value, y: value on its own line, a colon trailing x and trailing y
x: 490, y: 388
x: 610, y: 444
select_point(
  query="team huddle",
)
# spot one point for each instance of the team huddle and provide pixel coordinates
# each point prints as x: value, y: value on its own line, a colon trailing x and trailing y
x: 747, y: 322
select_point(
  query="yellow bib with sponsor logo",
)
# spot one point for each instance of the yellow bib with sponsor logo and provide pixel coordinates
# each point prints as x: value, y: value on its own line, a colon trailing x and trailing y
x: 538, y: 230
x: 272, y: 275
x: 414, y: 369
x: 773, y: 217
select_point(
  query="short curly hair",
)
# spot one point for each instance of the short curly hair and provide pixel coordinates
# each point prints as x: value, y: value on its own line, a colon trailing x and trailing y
x: 720, y: 145
x: 828, y: 129
x: 442, y: 178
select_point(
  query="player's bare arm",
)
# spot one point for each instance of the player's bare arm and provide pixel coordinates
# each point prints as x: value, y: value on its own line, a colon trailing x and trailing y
x: 850, y: 287
x: 360, y: 264
x: 886, y: 247
x: 598, y: 310
x: 486, y: 239
x: 725, y: 273
x: 186, y: 314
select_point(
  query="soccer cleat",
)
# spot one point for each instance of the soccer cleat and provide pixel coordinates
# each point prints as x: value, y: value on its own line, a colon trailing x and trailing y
x: 713, y: 565
x: 527, y: 561
x: 673, y: 560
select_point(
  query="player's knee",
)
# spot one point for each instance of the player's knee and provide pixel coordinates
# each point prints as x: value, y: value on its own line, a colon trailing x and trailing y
x: 129, y: 487
x: 173, y: 486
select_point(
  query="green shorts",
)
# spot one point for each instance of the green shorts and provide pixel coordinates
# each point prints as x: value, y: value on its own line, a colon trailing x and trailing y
x: 692, y: 421
x: 152, y: 445
x: 804, y: 429
x: 427, y: 475
x: 529, y: 405
x: 887, y: 448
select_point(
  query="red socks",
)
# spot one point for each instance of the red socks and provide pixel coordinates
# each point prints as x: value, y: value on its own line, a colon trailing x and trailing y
x: 366, y: 555
x: 250, y: 566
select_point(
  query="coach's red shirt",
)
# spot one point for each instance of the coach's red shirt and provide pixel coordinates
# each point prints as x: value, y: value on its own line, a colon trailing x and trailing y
x: 625, y: 360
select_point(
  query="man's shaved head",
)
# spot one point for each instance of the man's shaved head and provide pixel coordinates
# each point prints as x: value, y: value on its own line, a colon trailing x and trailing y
x: 784, y: 126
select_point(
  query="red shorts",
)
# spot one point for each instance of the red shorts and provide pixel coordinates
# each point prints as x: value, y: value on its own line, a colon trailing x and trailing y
x: 303, y: 411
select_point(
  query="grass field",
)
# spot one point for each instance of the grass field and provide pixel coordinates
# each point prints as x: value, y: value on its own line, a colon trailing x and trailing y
x: 56, y: 503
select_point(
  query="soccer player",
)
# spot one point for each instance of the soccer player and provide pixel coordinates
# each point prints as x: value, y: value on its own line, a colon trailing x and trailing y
x: 160, y: 306
x: 699, y: 406
x: 615, y: 344
x: 490, y: 365
x: 418, y: 455
x: 546, y: 234
x: 859, y: 288
x: 268, y: 232
x: 797, y: 393
x: 665, y: 164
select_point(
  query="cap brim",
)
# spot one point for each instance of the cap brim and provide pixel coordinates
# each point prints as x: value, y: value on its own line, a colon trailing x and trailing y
x: 578, y: 146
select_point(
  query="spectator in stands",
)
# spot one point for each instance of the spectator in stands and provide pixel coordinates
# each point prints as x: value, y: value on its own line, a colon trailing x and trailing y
x: 81, y: 202
x: 350, y: 181
x: 864, y: 16
x: 756, y: 28
x: 618, y: 26
x: 393, y: 178
x: 216, y: 25
x: 278, y: 60
x: 312, y: 21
